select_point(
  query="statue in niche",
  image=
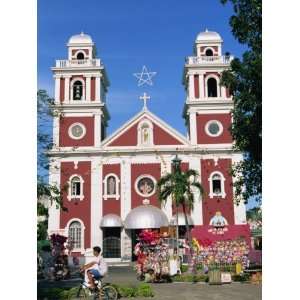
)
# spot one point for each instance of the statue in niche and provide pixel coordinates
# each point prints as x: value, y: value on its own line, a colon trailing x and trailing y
x: 145, y: 135
x: 111, y: 185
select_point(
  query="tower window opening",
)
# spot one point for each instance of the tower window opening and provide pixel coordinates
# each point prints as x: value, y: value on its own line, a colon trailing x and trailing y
x: 208, y: 52
x: 76, y: 186
x: 77, y: 90
x: 212, y: 87
x: 216, y: 184
x: 80, y: 55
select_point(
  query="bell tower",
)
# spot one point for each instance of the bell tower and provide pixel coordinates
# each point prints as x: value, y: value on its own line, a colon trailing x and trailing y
x: 208, y: 104
x: 81, y: 85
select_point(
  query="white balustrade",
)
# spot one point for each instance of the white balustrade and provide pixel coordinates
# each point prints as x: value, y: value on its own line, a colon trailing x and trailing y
x: 195, y: 60
x: 78, y: 63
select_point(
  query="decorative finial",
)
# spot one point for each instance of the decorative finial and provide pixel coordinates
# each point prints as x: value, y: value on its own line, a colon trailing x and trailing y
x: 206, y: 30
x: 145, y: 98
x: 144, y: 76
x: 81, y: 32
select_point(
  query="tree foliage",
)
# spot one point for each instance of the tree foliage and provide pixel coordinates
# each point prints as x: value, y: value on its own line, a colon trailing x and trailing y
x: 244, y: 81
x: 47, y: 194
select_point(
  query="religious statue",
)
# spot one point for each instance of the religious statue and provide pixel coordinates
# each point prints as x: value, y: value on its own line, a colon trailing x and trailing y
x: 145, y: 135
x: 218, y: 220
x: 145, y: 186
x: 111, y: 186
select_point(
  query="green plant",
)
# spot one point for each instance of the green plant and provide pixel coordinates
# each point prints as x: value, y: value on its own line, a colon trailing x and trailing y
x: 183, y: 268
x: 241, y: 278
x: 144, y: 290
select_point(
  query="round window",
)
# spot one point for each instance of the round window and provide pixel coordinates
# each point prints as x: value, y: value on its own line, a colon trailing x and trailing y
x: 145, y: 185
x: 77, y: 131
x: 214, y: 128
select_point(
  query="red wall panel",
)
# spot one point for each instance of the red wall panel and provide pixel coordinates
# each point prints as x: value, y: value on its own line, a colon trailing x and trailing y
x: 211, y: 205
x: 66, y: 141
x: 204, y: 138
x: 196, y: 85
x: 141, y: 169
x: 77, y: 209
x: 128, y: 138
x: 111, y: 205
x: 161, y: 137
x: 93, y: 90
x: 62, y: 90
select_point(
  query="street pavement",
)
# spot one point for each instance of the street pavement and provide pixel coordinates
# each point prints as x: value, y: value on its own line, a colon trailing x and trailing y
x: 174, y: 291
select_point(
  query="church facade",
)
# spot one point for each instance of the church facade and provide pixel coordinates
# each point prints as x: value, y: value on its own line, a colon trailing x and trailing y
x: 109, y: 182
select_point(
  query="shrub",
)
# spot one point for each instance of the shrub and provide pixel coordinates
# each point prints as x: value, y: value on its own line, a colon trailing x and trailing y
x: 241, y: 278
x: 190, y: 278
x: 144, y: 290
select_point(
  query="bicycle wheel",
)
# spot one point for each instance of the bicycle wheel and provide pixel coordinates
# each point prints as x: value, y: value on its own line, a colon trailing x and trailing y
x: 108, y: 292
x: 83, y: 294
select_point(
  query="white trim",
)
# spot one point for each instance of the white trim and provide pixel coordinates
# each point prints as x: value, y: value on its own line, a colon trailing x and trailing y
x: 81, y: 249
x: 97, y: 129
x: 167, y: 205
x: 193, y: 127
x: 83, y: 89
x: 137, y: 181
x: 73, y: 136
x: 72, y: 197
x: 220, y: 128
x: 117, y: 194
x: 126, y: 187
x: 139, y: 133
x: 211, y: 193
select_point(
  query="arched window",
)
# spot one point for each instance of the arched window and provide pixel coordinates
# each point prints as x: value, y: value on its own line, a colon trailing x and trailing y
x: 77, y: 90
x: 216, y: 185
x: 75, y: 234
x: 111, y: 187
x: 75, y: 188
x: 208, y: 52
x: 212, y: 87
x: 80, y: 55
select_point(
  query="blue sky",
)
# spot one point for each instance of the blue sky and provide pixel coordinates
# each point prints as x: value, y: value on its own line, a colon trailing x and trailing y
x: 130, y: 34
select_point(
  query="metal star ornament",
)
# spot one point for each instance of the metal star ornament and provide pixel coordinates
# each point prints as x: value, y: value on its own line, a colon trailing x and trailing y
x: 144, y: 77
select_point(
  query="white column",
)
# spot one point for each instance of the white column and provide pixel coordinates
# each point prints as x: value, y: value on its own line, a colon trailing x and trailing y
x: 191, y: 87
x: 201, y: 85
x: 96, y: 202
x: 125, y: 188
x: 223, y: 92
x: 197, y: 215
x: 57, y: 89
x: 193, y: 127
x: 88, y: 88
x: 98, y: 88
x: 97, y: 129
x: 56, y: 129
x: 167, y: 206
x: 54, y: 213
x: 67, y: 88
x: 239, y: 209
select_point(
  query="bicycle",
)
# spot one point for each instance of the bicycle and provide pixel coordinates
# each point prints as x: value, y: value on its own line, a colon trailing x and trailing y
x: 103, y: 291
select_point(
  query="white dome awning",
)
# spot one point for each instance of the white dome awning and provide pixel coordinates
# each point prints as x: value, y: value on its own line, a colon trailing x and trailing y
x: 208, y: 36
x: 145, y: 217
x: 111, y: 220
x: 181, y: 220
x: 81, y: 38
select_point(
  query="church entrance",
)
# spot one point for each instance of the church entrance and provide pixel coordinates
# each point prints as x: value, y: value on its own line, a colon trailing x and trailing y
x: 112, y: 242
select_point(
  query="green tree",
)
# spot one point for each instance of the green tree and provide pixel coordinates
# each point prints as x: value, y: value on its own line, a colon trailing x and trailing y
x: 46, y: 194
x: 244, y: 82
x: 180, y: 186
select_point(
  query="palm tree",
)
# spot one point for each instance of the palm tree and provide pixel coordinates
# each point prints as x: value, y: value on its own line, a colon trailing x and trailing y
x: 180, y: 187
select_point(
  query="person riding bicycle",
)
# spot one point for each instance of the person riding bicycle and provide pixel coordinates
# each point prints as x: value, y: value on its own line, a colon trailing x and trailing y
x: 96, y: 269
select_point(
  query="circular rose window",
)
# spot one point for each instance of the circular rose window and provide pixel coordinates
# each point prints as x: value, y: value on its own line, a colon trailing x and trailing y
x: 145, y: 185
x: 77, y: 131
x: 214, y: 128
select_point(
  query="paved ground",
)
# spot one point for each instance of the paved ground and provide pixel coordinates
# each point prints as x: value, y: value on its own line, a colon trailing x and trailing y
x: 174, y: 291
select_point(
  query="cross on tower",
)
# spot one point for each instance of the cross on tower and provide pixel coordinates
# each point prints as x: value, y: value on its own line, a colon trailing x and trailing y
x: 145, y: 98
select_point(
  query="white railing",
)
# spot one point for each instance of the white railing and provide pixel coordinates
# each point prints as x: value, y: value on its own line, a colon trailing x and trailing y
x: 195, y: 60
x: 78, y: 63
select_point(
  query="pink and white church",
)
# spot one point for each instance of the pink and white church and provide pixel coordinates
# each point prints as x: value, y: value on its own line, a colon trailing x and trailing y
x: 111, y: 179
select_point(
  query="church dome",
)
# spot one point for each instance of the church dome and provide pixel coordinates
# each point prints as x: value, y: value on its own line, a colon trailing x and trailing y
x: 206, y: 36
x: 81, y: 38
x: 111, y: 220
x: 146, y: 216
